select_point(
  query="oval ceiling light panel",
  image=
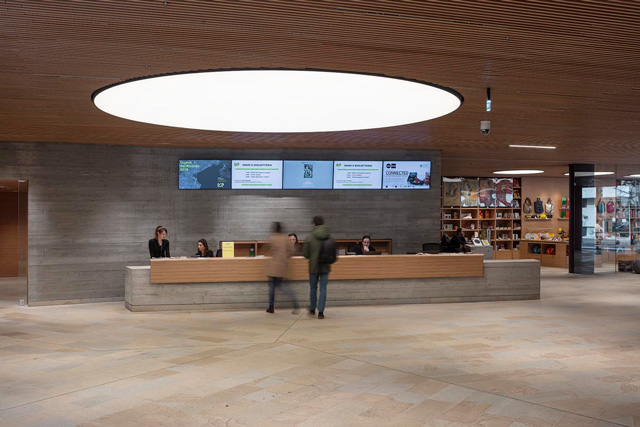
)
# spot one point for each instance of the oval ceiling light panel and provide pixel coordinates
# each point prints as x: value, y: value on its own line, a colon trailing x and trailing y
x: 276, y: 100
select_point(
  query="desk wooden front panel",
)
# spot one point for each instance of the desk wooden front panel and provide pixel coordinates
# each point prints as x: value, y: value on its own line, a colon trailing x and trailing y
x: 347, y: 267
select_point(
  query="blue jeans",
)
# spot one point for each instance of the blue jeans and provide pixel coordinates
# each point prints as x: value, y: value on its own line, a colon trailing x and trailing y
x: 313, y: 290
x: 277, y: 282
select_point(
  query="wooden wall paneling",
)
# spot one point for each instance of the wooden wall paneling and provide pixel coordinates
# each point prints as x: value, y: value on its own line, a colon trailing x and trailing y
x: 542, y: 97
x: 10, y: 236
x: 347, y: 267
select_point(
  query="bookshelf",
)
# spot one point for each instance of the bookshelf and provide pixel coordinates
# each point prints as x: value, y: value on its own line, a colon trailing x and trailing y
x: 501, y: 226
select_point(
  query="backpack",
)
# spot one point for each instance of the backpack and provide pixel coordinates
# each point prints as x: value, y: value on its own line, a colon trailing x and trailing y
x: 528, y: 207
x: 328, y: 252
x: 538, y: 207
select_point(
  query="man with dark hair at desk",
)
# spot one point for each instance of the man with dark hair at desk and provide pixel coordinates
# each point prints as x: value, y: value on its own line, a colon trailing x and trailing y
x: 317, y: 270
x: 364, y: 246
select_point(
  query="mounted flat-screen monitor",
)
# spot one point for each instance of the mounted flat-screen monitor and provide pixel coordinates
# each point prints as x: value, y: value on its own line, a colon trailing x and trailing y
x: 204, y: 174
x: 357, y: 175
x: 403, y: 175
x: 307, y: 174
x: 256, y: 174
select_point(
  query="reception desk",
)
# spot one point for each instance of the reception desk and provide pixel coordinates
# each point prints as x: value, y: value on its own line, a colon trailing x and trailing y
x: 216, y: 270
x: 240, y: 283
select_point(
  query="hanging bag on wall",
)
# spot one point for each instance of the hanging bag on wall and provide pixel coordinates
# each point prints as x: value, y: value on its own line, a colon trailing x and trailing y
x: 611, y: 207
x: 548, y: 207
x: 601, y: 206
x: 527, y: 207
x: 538, y: 206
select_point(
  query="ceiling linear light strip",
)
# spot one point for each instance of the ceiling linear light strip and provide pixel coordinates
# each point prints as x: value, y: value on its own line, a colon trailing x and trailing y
x: 544, y: 147
x: 278, y: 100
x: 590, y: 173
x: 518, y: 172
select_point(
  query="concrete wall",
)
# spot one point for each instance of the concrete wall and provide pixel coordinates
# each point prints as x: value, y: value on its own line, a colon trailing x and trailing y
x: 92, y: 210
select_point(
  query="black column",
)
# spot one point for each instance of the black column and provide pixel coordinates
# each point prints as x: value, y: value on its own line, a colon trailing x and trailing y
x: 581, y: 248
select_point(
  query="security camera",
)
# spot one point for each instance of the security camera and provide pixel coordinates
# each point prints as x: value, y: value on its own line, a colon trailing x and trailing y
x: 485, y: 127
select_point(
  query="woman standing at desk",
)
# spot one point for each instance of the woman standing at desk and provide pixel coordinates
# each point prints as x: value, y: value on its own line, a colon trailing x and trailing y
x: 159, y: 246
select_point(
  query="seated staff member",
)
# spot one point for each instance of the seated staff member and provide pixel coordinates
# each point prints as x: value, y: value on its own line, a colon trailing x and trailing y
x: 159, y: 246
x: 458, y: 242
x: 203, y: 249
x: 297, y: 248
x: 364, y: 246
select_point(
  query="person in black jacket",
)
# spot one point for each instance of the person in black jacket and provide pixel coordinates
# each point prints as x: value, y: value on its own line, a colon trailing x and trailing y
x: 458, y: 242
x: 203, y: 249
x: 364, y: 246
x: 159, y: 246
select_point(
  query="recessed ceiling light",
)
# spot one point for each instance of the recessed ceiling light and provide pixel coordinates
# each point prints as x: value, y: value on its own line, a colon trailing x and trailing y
x: 545, y: 147
x: 590, y: 173
x: 518, y: 172
x: 635, y: 175
x: 264, y: 100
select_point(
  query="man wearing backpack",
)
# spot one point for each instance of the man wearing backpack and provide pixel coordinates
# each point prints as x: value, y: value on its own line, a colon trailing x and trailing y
x: 318, y: 271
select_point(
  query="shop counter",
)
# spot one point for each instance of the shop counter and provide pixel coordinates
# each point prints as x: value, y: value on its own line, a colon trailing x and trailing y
x: 240, y: 283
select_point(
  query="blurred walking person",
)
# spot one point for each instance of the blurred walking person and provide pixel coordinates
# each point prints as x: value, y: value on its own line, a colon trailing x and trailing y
x: 280, y: 250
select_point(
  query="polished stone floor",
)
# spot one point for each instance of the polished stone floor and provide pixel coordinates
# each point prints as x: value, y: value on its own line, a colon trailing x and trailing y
x: 569, y: 359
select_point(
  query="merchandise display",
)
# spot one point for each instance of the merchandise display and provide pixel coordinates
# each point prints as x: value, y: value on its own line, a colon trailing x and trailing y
x: 614, y: 229
x: 498, y: 226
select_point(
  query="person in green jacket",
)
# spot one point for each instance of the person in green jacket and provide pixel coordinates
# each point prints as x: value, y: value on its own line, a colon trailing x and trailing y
x: 317, y: 272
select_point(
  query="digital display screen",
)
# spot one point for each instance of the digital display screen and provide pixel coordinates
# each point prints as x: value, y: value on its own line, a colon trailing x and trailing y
x: 256, y: 174
x: 402, y: 175
x: 354, y: 175
x: 312, y: 174
x: 204, y: 174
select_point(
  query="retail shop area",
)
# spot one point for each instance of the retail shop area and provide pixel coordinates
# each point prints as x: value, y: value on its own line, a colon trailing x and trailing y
x: 530, y: 218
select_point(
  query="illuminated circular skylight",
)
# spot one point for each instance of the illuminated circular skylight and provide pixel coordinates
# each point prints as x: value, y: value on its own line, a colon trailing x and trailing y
x: 276, y: 100
x: 518, y: 172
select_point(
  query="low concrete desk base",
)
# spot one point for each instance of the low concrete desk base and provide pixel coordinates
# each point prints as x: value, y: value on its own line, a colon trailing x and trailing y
x: 502, y: 281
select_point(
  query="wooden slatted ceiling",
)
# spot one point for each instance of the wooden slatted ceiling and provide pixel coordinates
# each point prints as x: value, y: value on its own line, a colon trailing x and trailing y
x: 562, y: 73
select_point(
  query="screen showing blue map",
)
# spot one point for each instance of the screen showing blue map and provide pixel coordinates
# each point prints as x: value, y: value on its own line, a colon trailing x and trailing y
x: 311, y: 174
x: 204, y: 174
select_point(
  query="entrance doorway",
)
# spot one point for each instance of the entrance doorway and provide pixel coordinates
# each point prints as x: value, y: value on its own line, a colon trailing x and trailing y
x: 13, y: 241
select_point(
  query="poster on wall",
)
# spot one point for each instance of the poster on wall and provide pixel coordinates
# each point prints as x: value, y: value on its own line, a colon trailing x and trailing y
x: 487, y: 193
x: 469, y: 194
x: 451, y: 188
x: 504, y: 192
